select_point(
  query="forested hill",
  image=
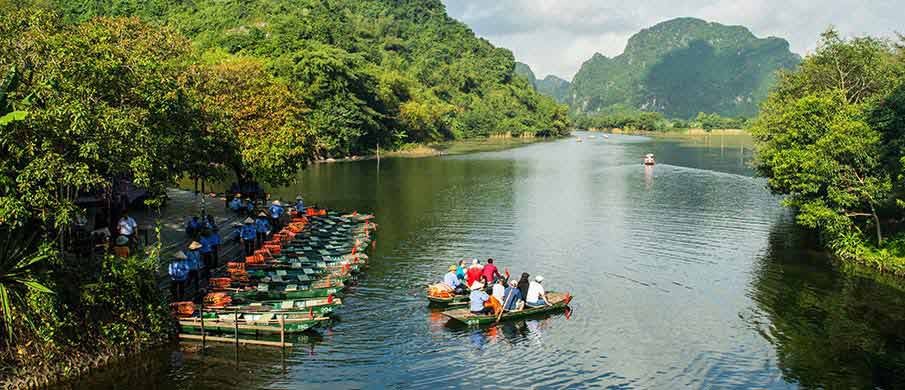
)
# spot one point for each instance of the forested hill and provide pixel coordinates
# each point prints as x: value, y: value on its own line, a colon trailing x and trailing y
x: 682, y: 67
x: 550, y: 86
x: 367, y: 71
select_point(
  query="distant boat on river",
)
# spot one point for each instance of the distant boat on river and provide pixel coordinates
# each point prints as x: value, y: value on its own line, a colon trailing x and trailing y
x: 649, y: 159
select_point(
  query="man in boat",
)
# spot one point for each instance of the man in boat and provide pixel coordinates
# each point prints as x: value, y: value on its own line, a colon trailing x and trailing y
x: 490, y: 272
x: 179, y: 273
x: 474, y: 272
x: 477, y: 299
x: 512, y: 297
x: 248, y: 235
x: 536, y: 295
x: 451, y: 280
x: 262, y: 226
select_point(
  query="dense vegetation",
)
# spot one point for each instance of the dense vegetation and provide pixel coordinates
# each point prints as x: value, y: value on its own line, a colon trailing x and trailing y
x: 625, y: 118
x: 830, y: 137
x: 151, y: 91
x: 682, y: 67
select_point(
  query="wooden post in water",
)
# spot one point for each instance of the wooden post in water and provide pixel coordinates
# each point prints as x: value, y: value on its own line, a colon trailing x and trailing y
x: 203, y: 334
x: 282, y: 332
x: 236, y: 319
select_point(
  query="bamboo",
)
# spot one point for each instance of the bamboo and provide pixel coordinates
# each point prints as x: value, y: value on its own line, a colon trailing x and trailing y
x: 203, y: 334
x: 282, y: 333
x: 237, y: 328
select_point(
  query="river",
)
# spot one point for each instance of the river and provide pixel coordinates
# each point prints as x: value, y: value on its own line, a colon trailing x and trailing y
x: 685, y: 275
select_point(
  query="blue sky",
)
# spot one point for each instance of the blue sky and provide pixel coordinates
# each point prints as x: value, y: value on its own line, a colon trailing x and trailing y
x: 557, y: 36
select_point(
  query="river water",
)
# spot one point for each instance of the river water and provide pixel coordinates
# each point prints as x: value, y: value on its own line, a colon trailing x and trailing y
x: 685, y: 275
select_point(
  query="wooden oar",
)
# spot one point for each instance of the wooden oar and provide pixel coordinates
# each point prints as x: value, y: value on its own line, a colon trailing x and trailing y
x: 505, y: 303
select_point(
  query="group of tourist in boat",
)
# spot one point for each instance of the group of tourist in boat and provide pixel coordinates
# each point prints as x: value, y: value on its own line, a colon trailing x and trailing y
x: 202, y: 253
x: 492, y: 292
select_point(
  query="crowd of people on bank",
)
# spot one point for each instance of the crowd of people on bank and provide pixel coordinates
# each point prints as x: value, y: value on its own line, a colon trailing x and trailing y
x: 491, y: 292
x: 202, y: 254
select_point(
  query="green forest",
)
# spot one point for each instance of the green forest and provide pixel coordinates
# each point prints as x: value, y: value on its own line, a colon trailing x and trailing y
x: 831, y: 139
x: 164, y: 89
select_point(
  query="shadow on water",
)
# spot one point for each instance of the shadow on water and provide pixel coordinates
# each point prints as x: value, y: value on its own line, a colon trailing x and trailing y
x: 831, y: 328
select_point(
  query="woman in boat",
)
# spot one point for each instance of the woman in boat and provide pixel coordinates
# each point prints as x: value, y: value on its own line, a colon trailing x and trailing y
x: 477, y: 299
x: 512, y: 297
x: 474, y: 272
x: 499, y: 289
x: 523, y: 285
x: 460, y: 270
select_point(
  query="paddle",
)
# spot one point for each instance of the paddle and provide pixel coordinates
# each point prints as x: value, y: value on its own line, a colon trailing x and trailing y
x: 505, y: 303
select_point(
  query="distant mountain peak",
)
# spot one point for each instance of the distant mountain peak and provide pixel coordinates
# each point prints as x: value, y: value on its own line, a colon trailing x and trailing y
x: 683, y: 66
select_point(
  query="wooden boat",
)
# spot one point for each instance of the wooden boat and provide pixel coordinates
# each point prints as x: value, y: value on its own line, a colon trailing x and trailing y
x: 454, y: 300
x: 649, y: 159
x: 558, y: 301
x: 294, y: 308
x: 267, y: 323
x: 281, y: 292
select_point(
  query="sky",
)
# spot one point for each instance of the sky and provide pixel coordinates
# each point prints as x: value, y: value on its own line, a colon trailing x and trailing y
x: 555, y: 37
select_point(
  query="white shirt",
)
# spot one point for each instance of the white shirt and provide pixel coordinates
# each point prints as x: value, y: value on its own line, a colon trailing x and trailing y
x: 498, y: 291
x: 535, y: 290
x: 127, y: 226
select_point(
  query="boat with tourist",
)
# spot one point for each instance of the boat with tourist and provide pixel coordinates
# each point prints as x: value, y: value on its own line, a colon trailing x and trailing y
x: 649, y: 159
x: 555, y: 302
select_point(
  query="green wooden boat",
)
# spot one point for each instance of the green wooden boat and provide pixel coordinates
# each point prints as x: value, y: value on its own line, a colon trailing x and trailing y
x: 280, y: 292
x: 558, y: 301
x: 248, y: 324
x: 455, y: 300
x: 319, y: 306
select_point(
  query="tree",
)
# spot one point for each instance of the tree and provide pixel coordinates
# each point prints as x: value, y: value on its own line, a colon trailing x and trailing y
x: 252, y: 121
x: 103, y: 101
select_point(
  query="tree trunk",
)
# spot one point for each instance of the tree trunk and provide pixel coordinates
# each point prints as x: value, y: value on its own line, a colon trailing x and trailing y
x: 873, y: 213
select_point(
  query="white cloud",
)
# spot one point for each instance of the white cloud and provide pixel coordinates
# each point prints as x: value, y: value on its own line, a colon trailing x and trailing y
x: 557, y: 36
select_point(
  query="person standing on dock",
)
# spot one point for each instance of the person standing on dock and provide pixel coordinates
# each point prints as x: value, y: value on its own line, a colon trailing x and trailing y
x: 179, y: 273
x: 248, y: 235
x: 262, y: 227
x: 193, y: 260
x: 127, y: 227
x: 300, y: 205
x: 236, y: 204
x: 207, y: 248
x: 276, y: 211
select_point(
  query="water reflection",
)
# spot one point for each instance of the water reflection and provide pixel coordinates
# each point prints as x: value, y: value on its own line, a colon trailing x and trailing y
x: 831, y: 329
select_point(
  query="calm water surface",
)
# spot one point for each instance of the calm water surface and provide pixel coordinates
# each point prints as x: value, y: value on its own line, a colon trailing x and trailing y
x: 685, y: 275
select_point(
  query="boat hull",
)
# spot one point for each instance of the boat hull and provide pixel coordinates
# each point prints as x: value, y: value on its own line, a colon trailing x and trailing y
x: 558, y: 302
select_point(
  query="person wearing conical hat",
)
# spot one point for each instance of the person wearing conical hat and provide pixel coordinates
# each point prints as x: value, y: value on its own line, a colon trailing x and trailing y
x: 248, y: 235
x: 207, y: 241
x: 179, y: 274
x: 276, y: 211
x: 262, y: 226
x: 196, y: 267
x: 477, y: 299
x: 299, y: 204
x: 236, y: 204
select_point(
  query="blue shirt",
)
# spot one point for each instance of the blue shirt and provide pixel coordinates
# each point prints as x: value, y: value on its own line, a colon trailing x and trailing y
x: 511, y: 297
x: 460, y: 272
x: 178, y: 270
x: 207, y: 243
x: 235, y: 204
x: 299, y: 206
x: 193, y: 261
x: 216, y: 239
x: 250, y: 206
x: 262, y: 225
x: 478, y: 297
x: 276, y: 211
x: 249, y: 232
x: 193, y: 223
x: 451, y: 280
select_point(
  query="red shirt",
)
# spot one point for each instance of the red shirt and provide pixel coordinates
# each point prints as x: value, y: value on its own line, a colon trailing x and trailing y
x: 489, y: 270
x: 473, y: 275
